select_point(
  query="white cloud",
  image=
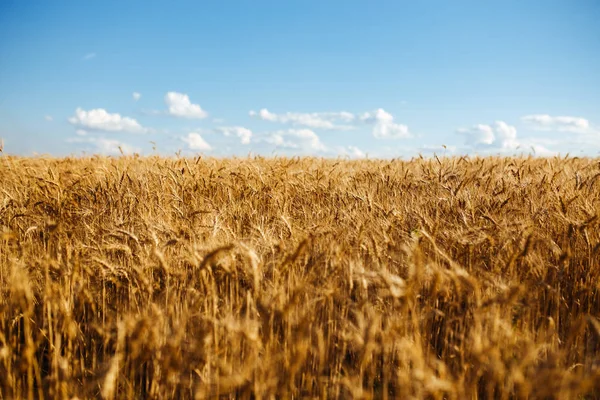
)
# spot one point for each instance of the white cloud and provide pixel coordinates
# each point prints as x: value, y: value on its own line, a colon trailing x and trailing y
x: 544, y: 122
x: 391, y: 131
x: 278, y: 140
x: 303, y: 139
x: 356, y: 152
x: 479, y: 134
x: 48, y: 118
x: 100, y: 120
x: 542, y: 151
x: 382, y: 121
x: 506, y: 135
x: 264, y: 114
x: 81, y: 132
x: 317, y: 120
x: 106, y: 146
x: 377, y: 116
x: 89, y: 56
x: 384, y: 126
x: 136, y: 96
x: 112, y: 146
x: 181, y: 106
x: 341, y: 115
x: 244, y: 134
x: 196, y: 142
x: 500, y: 138
x: 351, y: 151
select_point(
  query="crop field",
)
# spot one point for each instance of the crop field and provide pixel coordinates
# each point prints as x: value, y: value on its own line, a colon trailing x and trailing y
x: 168, y: 278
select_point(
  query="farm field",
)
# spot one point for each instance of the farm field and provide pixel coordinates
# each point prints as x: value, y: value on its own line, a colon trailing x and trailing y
x: 441, y: 278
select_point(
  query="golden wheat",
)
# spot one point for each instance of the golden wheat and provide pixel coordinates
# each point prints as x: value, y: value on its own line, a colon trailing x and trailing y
x: 453, y: 278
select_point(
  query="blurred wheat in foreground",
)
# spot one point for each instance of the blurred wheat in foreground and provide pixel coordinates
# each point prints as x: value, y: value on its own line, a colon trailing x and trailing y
x: 453, y: 278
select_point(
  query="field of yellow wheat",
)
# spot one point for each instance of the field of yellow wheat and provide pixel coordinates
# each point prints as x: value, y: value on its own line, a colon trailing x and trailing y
x: 168, y: 278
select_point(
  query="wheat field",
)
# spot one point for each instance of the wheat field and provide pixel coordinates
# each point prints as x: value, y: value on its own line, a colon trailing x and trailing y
x: 168, y: 278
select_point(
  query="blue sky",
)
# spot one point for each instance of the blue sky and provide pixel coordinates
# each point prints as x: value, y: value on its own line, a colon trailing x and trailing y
x: 326, y: 78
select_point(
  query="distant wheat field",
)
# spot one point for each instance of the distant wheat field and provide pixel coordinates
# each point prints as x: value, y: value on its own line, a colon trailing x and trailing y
x: 175, y: 278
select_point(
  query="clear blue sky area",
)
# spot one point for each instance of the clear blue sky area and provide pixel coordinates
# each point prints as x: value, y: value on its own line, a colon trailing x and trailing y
x: 325, y: 78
